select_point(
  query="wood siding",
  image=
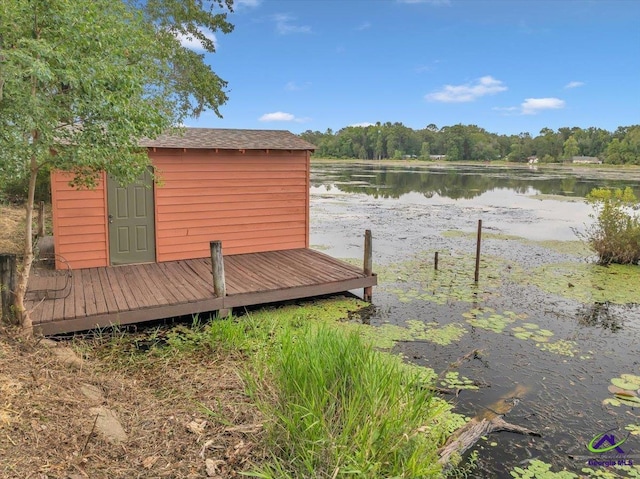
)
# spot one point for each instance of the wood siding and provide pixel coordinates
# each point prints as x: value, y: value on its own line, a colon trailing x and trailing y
x: 253, y: 201
x: 79, y: 223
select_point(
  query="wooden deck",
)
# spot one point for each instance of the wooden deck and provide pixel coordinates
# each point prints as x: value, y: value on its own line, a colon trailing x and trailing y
x: 77, y: 300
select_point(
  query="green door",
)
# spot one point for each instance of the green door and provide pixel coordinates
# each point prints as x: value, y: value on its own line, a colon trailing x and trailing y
x: 131, y: 225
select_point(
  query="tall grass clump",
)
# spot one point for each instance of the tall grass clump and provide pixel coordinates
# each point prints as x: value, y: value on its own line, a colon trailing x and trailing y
x: 615, y: 235
x: 342, y: 409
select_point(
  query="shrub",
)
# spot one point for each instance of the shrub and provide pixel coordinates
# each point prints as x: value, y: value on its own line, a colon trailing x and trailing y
x: 615, y: 235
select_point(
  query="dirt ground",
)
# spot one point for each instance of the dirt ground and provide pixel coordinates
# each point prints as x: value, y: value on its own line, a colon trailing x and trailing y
x: 179, y: 419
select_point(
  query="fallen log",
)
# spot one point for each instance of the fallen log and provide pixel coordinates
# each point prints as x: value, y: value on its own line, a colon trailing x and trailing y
x: 490, y: 420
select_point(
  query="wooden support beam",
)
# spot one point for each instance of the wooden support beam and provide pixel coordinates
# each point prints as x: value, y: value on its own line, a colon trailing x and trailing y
x: 217, y: 269
x: 7, y: 286
x: 41, y: 227
x: 368, y: 263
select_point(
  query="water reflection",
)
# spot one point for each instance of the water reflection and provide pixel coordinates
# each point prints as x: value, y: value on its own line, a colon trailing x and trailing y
x: 459, y: 182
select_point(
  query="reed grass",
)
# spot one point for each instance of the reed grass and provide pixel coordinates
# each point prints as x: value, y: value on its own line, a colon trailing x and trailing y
x: 342, y: 409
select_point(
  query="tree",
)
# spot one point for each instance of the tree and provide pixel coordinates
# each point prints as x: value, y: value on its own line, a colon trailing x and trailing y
x: 82, y: 81
x: 570, y: 147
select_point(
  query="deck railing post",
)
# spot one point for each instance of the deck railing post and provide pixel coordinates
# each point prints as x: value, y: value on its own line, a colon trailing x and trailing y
x: 368, y: 263
x: 7, y: 285
x: 217, y: 270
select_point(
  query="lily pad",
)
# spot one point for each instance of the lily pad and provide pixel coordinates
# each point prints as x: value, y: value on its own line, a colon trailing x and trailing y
x: 623, y: 392
x: 628, y: 399
x: 622, y: 384
x: 631, y: 378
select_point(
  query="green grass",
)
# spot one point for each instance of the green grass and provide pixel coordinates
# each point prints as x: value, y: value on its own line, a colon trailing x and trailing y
x: 342, y: 409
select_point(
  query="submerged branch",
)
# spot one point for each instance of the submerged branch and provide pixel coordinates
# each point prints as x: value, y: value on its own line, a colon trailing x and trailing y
x: 491, y: 420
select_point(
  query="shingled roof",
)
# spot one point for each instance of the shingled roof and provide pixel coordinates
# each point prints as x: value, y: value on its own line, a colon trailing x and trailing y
x: 230, y: 139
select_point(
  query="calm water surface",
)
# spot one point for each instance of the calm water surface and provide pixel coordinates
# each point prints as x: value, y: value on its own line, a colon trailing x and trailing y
x: 409, y: 209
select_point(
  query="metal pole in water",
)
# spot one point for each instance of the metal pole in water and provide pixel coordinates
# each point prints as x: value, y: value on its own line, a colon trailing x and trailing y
x: 479, y: 241
x: 368, y: 263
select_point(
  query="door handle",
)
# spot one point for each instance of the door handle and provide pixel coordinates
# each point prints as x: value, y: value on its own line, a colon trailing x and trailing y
x: 110, y: 219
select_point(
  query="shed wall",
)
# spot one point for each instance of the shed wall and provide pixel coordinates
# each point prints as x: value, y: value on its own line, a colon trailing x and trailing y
x: 253, y: 201
x: 79, y: 222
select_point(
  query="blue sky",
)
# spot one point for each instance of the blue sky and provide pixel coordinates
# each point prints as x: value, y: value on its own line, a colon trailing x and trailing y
x: 508, y: 66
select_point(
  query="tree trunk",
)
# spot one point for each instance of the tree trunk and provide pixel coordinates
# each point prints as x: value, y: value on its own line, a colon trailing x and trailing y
x: 23, y: 274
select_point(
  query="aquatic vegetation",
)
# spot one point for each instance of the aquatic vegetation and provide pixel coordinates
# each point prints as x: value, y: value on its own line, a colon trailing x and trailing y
x: 433, y: 332
x: 634, y: 429
x: 489, y: 319
x: 562, y: 347
x: 540, y: 470
x: 453, y: 380
x: 588, y: 283
x: 416, y: 279
x: 612, y: 472
x: 533, y: 332
x: 575, y: 248
x: 625, y: 390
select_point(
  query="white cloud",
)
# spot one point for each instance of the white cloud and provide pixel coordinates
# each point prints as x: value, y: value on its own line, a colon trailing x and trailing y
x: 293, y: 86
x: 193, y: 43
x: 532, y: 106
x: 282, y: 116
x: 574, y: 84
x: 284, y: 25
x: 487, y: 85
x: 363, y: 124
x: 363, y: 26
x: 248, y: 3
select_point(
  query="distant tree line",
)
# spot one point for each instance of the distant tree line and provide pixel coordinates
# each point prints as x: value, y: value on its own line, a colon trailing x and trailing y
x: 472, y: 143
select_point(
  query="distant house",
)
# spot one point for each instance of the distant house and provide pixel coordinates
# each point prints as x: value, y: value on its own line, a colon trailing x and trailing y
x: 438, y: 157
x: 591, y: 160
x: 248, y: 188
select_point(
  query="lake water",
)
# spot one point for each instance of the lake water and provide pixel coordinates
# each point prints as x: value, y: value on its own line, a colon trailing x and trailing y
x: 560, y: 340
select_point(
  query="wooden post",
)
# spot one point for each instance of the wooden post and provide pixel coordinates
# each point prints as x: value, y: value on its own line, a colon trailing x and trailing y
x: 479, y: 241
x: 7, y: 285
x: 217, y: 270
x: 41, y: 227
x: 435, y: 261
x: 368, y: 263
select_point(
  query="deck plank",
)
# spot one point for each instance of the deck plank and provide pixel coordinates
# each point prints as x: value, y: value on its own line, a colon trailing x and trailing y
x: 101, y: 302
x: 175, y: 279
x: 125, y: 294
x: 150, y: 284
x: 116, y: 287
x: 109, y: 294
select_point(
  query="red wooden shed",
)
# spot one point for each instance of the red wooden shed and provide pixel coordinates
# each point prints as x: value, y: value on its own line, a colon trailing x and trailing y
x: 248, y: 188
x: 144, y: 251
